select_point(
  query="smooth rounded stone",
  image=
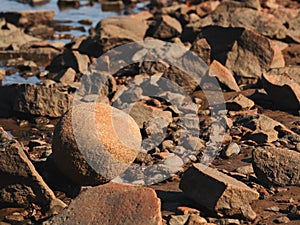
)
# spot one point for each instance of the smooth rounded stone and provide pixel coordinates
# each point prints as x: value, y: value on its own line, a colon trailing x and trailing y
x: 94, y: 143
x: 276, y: 166
x: 112, y: 204
x: 231, y: 150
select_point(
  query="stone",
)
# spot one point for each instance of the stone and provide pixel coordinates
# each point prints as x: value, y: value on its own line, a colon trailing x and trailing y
x: 231, y: 150
x: 112, y: 203
x: 276, y: 166
x: 239, y: 102
x: 224, y: 76
x: 281, y: 87
x: 263, y: 129
x: 178, y: 219
x: 115, y: 31
x: 196, y: 220
x: 28, y: 18
x: 70, y: 59
x: 41, y: 31
x: 41, y: 101
x: 293, y: 28
x: 2, y: 74
x: 246, y: 170
x: 67, y: 76
x: 108, y: 6
x: 21, y: 185
x: 251, y: 55
x: 94, y: 143
x: 282, y: 219
x: 217, y: 191
x: 291, y: 71
x: 164, y: 28
x: 11, y: 35
x: 69, y: 3
x: 202, y: 49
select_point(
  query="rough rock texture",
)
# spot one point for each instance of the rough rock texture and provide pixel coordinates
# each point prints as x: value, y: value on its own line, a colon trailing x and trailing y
x: 202, y: 49
x: 276, y: 166
x: 239, y: 102
x: 115, y: 31
x: 11, y: 35
x: 108, y: 141
x: 224, y: 76
x: 217, y: 191
x: 20, y: 183
x: 283, y: 90
x: 29, y: 18
x: 41, y: 101
x: 112, y: 203
x: 262, y: 128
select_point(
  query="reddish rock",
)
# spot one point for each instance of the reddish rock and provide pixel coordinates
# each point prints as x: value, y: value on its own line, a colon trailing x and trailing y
x: 202, y: 49
x: 67, y: 76
x: 108, y: 140
x: 283, y: 90
x: 239, y: 102
x: 276, y: 166
x: 217, y: 191
x: 112, y: 203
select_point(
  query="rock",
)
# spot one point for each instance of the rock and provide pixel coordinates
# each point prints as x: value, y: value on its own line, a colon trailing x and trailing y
x: 75, y: 60
x: 263, y: 129
x: 281, y: 87
x: 104, y: 151
x: 67, y: 76
x: 108, y: 6
x: 112, y: 203
x: 164, y: 28
x: 115, y: 31
x: 178, y: 219
x: 159, y: 3
x: 276, y: 166
x: 196, y: 220
x: 224, y: 76
x: 41, y: 101
x: 69, y: 3
x: 293, y: 28
x: 2, y: 74
x: 21, y: 185
x: 41, y: 31
x: 291, y: 71
x: 29, y: 17
x: 245, y: 58
x: 239, y: 102
x: 217, y: 191
x: 11, y: 35
x: 246, y: 170
x: 231, y: 150
x: 202, y: 49
x: 282, y: 219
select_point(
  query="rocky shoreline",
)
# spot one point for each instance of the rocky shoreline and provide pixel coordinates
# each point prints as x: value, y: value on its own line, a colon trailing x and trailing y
x: 249, y: 136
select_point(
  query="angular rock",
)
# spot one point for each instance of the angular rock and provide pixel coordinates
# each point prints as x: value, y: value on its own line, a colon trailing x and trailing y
x: 41, y: 101
x: 239, y: 102
x: 94, y: 143
x: 202, y: 49
x: 231, y: 150
x: 29, y: 17
x: 115, y: 31
x: 283, y: 90
x: 68, y: 3
x: 263, y: 129
x: 164, y: 28
x: 250, y: 56
x: 11, y: 35
x: 217, y: 191
x: 67, y: 76
x: 20, y: 183
x: 293, y: 28
x: 291, y: 71
x: 276, y: 166
x: 224, y: 76
x: 178, y: 219
x: 112, y: 203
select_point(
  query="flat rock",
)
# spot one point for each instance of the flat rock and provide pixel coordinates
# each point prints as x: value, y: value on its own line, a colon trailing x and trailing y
x: 41, y: 101
x: 217, y: 191
x: 224, y: 75
x: 29, y: 17
x: 281, y: 87
x: 21, y: 185
x: 276, y: 166
x: 239, y: 102
x: 112, y: 203
x: 94, y: 143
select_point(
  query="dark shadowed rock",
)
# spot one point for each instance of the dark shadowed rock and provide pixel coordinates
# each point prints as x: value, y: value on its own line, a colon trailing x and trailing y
x: 217, y: 191
x: 239, y: 102
x: 108, y: 141
x: 276, y: 166
x: 112, y: 203
x: 202, y: 49
x: 20, y: 183
x: 67, y: 76
x: 283, y: 90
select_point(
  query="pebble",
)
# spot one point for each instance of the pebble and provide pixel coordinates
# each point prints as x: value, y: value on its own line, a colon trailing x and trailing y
x: 231, y: 150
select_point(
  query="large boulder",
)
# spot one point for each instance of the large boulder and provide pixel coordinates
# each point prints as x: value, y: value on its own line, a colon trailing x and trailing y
x: 94, y: 143
x: 112, y: 203
x: 20, y: 183
x: 276, y: 166
x: 218, y: 192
